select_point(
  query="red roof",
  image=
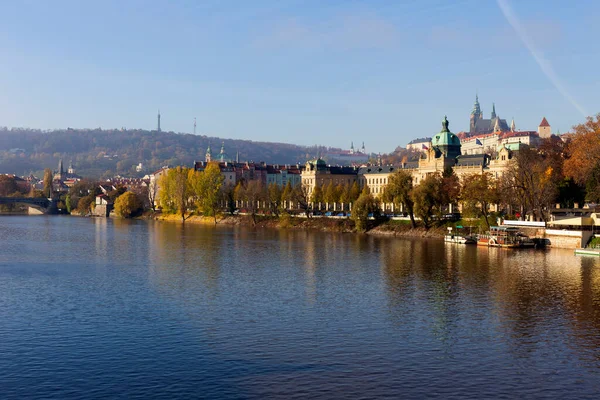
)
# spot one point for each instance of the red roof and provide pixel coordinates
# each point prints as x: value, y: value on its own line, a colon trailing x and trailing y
x: 544, y: 122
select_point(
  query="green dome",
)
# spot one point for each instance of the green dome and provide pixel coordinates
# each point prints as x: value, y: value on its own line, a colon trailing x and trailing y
x: 446, y: 141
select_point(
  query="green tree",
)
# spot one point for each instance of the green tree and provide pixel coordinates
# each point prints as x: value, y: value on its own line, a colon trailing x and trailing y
x: 128, y: 205
x: 399, y: 192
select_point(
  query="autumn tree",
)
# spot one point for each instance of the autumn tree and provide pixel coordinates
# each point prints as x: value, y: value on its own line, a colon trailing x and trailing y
x: 175, y: 194
x: 317, y: 195
x: 128, y: 205
x: 153, y: 193
x: 252, y: 192
x: 479, y: 192
x: 354, y: 192
x: 583, y: 162
x: 48, y: 182
x: 531, y: 182
x: 286, y: 195
x: 207, y: 189
x: 301, y: 196
x: 426, y: 197
x: 274, y: 195
x: 8, y: 185
x: 363, y: 206
x: 398, y: 191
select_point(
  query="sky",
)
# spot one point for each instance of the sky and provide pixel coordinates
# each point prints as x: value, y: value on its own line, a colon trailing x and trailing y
x: 298, y: 71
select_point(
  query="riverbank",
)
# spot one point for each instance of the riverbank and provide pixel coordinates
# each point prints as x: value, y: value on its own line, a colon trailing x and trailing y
x: 322, y: 224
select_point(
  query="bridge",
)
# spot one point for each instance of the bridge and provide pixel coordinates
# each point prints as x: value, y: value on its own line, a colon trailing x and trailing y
x: 47, y: 206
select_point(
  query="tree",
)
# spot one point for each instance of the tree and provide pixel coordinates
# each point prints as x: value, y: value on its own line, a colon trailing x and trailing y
x: 479, y: 191
x: 354, y: 192
x: 301, y: 196
x: 128, y: 205
x: 175, y: 193
x: 583, y: 162
x: 84, y: 205
x: 398, y: 191
x: 208, y: 189
x: 8, y: 185
x: 450, y: 190
x: 252, y: 192
x: 48, y: 182
x: 330, y: 195
x: 153, y: 193
x: 426, y: 198
x: 363, y: 206
x: 531, y: 182
x: 274, y: 193
x: 317, y: 195
x: 286, y: 195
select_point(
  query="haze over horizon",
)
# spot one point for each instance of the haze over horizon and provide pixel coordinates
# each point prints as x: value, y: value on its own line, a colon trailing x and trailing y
x: 383, y: 72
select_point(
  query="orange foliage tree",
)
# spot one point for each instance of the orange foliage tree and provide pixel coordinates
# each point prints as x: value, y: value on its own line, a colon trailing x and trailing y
x: 583, y: 163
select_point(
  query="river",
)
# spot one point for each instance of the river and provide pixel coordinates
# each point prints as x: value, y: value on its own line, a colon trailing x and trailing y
x: 97, y: 308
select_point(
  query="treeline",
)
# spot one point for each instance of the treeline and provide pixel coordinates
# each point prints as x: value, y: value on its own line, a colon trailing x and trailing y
x: 101, y: 153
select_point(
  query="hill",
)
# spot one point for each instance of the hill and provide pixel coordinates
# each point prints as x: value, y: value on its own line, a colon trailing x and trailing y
x: 101, y: 153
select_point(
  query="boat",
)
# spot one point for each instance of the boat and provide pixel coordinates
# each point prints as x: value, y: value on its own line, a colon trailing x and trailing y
x: 505, y: 236
x: 461, y: 239
x: 450, y: 238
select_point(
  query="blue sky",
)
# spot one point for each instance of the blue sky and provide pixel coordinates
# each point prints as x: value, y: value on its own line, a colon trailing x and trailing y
x: 299, y: 71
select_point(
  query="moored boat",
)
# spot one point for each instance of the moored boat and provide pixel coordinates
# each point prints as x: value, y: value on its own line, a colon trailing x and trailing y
x: 505, y: 236
x: 459, y: 239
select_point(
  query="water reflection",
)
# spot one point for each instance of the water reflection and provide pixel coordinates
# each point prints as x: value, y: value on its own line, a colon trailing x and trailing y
x: 289, y: 313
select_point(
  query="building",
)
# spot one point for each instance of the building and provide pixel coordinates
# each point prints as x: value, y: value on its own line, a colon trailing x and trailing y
x: 478, y: 124
x: 418, y: 144
x: 443, y: 152
x: 234, y: 172
x: 347, y: 157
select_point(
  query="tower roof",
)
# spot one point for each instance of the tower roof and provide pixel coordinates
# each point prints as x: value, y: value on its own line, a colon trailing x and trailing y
x: 445, y: 137
x: 544, y: 122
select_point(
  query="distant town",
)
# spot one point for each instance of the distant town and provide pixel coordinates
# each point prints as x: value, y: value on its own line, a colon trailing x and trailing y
x: 494, y: 169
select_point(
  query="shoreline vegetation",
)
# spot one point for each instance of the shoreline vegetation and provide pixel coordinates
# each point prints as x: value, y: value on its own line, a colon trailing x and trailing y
x: 323, y: 224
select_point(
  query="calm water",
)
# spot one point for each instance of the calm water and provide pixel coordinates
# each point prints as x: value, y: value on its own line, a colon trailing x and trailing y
x: 94, y: 308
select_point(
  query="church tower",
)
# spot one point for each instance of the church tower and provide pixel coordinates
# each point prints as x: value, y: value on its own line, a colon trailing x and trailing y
x: 544, y: 129
x: 208, y: 156
x: 71, y: 169
x: 475, y: 114
x: 493, y: 110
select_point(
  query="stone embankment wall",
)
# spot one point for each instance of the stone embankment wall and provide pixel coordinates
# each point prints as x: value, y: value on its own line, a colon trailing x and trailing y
x: 565, y: 239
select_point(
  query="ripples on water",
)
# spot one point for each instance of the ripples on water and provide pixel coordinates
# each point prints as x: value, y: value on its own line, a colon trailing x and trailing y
x: 101, y: 308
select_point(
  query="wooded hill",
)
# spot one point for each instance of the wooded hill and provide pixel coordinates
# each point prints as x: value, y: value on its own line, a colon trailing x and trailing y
x: 101, y: 153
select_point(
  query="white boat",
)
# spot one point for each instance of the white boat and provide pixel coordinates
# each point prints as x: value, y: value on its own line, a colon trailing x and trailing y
x: 450, y: 238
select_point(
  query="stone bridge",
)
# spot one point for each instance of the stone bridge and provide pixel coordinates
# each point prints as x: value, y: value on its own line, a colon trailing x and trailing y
x: 47, y: 206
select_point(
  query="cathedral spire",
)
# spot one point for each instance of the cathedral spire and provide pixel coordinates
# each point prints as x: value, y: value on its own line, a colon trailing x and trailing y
x: 512, y: 125
x: 493, y: 110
